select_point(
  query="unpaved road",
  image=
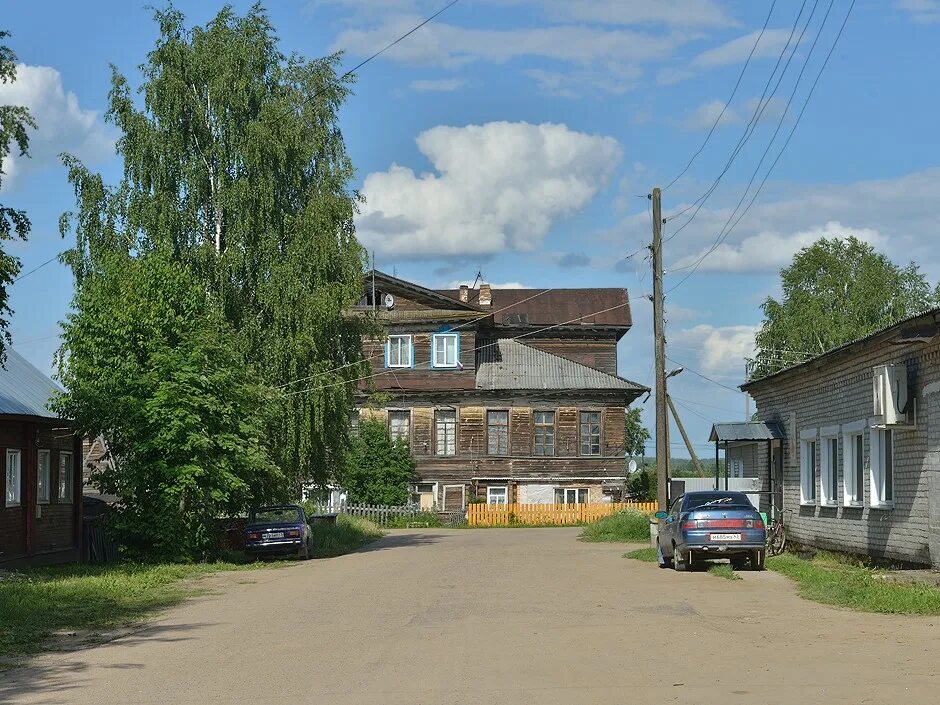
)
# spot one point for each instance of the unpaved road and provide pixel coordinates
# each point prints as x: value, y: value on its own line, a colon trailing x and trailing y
x: 505, y: 616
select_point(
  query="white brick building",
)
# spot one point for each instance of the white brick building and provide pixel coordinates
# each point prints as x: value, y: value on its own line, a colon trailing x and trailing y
x: 856, y: 479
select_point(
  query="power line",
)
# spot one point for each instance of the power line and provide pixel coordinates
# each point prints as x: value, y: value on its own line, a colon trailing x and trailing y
x: 725, y: 231
x: 405, y: 35
x: 36, y: 269
x: 727, y: 104
x: 751, y: 126
x: 479, y: 347
x: 705, y: 377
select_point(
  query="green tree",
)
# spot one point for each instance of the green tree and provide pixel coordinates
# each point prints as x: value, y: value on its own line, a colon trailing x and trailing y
x: 153, y: 367
x: 635, y: 433
x: 377, y: 470
x: 835, y: 291
x: 234, y: 164
x: 14, y: 121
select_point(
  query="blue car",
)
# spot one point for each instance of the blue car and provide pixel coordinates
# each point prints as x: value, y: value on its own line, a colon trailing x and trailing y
x: 715, y: 524
x: 278, y: 531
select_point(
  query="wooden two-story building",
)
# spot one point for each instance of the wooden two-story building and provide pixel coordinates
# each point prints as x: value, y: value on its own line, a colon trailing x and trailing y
x: 505, y: 395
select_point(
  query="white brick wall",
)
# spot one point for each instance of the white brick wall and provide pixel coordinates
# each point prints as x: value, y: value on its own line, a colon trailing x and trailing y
x: 839, y: 391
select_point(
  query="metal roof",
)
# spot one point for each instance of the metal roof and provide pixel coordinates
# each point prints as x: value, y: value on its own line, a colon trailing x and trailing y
x: 588, y: 306
x: 509, y: 364
x: 24, y: 390
x: 746, y: 431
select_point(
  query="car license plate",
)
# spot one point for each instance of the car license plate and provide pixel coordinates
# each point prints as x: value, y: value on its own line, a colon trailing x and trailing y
x: 725, y: 537
x: 275, y: 535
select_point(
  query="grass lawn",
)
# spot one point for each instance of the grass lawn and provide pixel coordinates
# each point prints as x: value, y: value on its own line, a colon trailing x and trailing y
x: 647, y: 555
x: 36, y: 602
x: 723, y: 570
x: 840, y: 580
x: 623, y: 527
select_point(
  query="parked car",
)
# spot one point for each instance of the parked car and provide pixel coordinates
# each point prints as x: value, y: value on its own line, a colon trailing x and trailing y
x: 703, y: 525
x: 279, y: 530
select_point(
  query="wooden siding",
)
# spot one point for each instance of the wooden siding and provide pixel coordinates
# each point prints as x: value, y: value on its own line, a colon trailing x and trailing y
x: 422, y: 376
x: 612, y: 430
x: 566, y: 432
x: 520, y: 430
x: 599, y: 353
x: 422, y: 431
x: 471, y: 431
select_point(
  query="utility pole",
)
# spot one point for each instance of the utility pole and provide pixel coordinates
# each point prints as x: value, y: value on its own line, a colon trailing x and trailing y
x: 685, y: 437
x: 662, y: 420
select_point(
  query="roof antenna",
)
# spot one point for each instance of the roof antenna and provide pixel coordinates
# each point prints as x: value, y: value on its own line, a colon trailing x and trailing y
x: 478, y: 278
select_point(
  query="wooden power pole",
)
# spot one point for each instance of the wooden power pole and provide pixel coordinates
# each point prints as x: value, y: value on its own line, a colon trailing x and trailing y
x: 685, y: 437
x: 662, y: 418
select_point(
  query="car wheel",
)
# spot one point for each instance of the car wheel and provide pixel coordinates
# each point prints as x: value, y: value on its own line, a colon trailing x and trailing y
x: 663, y: 561
x: 757, y: 559
x: 304, y: 553
x: 677, y: 563
x: 739, y: 562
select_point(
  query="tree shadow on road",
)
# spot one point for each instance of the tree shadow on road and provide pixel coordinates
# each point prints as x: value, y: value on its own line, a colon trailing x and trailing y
x: 390, y: 541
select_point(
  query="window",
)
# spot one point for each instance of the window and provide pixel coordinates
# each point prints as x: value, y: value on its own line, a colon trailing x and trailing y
x: 399, y: 351
x: 829, y: 481
x: 882, y: 467
x: 590, y: 433
x: 497, y: 495
x: 354, y: 423
x: 445, y: 349
x: 853, y: 468
x: 65, y: 477
x: 43, y: 476
x: 13, y: 478
x: 544, y: 433
x: 399, y: 425
x: 808, y: 472
x: 445, y: 431
x: 497, y: 432
x: 571, y: 495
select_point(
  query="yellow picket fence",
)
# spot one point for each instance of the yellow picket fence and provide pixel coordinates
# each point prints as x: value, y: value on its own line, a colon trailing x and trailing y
x: 548, y: 514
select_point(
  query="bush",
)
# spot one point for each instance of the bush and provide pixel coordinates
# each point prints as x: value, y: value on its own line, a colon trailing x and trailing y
x: 641, y: 486
x: 626, y: 527
x: 377, y: 470
x: 347, y: 535
x: 429, y: 518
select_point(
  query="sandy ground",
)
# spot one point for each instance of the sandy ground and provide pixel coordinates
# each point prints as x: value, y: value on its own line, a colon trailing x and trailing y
x: 496, y: 616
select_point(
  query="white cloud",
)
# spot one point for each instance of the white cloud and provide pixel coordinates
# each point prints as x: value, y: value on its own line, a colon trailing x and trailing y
x: 612, y: 78
x: 62, y: 125
x: 737, y: 50
x: 921, y: 11
x: 705, y: 115
x: 499, y: 186
x: 443, y: 85
x: 719, y: 350
x: 770, y: 251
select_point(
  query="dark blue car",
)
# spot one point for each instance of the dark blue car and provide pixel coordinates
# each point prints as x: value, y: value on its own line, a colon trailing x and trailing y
x: 280, y: 530
x: 703, y: 525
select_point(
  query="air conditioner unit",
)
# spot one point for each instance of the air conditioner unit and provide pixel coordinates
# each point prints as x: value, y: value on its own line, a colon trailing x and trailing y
x: 890, y: 395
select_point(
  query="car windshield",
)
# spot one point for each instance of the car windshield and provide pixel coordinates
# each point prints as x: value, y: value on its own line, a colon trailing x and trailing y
x: 706, y: 500
x: 274, y: 515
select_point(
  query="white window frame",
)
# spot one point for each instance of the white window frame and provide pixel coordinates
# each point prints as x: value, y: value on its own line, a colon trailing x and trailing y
x: 398, y: 339
x: 442, y: 447
x: 828, y: 467
x: 407, y: 436
x: 809, y: 469
x: 440, y: 362
x: 853, y: 482
x: 576, y: 491
x: 43, y: 472
x: 68, y: 478
x: 14, y: 478
x: 876, y: 474
x: 505, y: 494
x: 433, y: 492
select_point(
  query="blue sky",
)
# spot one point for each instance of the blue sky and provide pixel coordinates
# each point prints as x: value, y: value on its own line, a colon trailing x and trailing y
x: 515, y: 136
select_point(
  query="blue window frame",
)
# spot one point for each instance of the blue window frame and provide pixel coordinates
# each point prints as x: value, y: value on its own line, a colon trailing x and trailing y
x: 445, y: 350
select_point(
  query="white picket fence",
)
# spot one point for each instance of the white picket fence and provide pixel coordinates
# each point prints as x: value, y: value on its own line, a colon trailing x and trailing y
x: 381, y: 514
x: 749, y: 485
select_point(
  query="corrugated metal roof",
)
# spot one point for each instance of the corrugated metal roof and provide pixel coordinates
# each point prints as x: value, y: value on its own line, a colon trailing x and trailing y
x: 24, y: 390
x: 746, y: 431
x: 509, y: 364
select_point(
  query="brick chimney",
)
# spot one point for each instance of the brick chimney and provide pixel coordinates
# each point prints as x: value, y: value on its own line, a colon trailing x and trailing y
x: 486, y: 296
x: 464, y: 293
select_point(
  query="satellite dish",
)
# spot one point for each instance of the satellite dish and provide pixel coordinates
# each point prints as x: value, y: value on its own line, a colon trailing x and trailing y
x: 631, y: 466
x: 389, y: 301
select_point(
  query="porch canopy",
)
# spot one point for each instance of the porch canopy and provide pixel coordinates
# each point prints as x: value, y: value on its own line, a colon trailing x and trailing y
x: 740, y: 433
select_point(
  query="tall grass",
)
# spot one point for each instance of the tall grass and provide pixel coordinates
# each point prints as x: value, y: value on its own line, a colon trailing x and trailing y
x: 629, y: 526
x: 348, y: 534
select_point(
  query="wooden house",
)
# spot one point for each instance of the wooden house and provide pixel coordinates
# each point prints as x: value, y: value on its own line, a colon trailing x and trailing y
x: 41, y: 485
x: 504, y: 395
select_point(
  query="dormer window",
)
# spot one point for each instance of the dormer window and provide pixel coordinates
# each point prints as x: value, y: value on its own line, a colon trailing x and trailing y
x: 445, y: 349
x: 399, y: 351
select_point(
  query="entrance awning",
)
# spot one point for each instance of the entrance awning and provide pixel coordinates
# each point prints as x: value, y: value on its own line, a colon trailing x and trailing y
x: 746, y: 431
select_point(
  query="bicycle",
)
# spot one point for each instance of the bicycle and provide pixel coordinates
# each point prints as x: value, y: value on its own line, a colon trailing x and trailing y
x: 777, y: 534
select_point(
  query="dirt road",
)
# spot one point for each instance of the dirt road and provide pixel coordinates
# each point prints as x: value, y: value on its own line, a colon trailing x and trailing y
x: 507, y: 616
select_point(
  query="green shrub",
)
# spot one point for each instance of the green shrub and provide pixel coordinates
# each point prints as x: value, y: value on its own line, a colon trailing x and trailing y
x: 626, y: 527
x: 432, y: 519
x: 347, y: 535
